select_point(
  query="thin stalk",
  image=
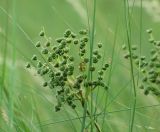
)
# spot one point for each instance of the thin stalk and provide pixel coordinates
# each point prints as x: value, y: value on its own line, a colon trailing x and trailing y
x: 91, y: 56
x: 88, y: 90
x: 128, y: 33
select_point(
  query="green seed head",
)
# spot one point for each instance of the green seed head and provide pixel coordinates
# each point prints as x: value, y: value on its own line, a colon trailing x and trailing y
x: 83, y: 32
x: 42, y: 33
x: 100, y: 73
x: 45, y: 51
x: 45, y: 84
x: 95, y: 52
x: 95, y: 60
x: 71, y: 58
x: 85, y: 39
x: 38, y: 44
x: 151, y: 40
x: 99, y: 45
x: 49, y: 59
x: 86, y: 60
x: 34, y: 57
x: 59, y: 40
x: 68, y: 32
x: 68, y: 40
x: 28, y: 65
x: 134, y: 47
x: 149, y: 31
x: 92, y: 68
x: 73, y: 35
x: 75, y: 41
x: 39, y: 64
x: 48, y: 43
x: 57, y: 108
x: 106, y: 65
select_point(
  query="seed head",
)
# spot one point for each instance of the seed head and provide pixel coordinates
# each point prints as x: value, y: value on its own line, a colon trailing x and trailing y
x: 48, y: 43
x: 28, y: 65
x: 99, y: 45
x: 45, y: 84
x: 149, y: 31
x: 42, y: 33
x: 45, y: 51
x: 92, y: 68
x: 75, y: 41
x: 34, y: 57
x: 38, y: 44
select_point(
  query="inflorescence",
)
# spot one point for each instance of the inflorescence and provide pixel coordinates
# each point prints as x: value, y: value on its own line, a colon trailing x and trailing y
x: 64, y: 72
x: 149, y: 66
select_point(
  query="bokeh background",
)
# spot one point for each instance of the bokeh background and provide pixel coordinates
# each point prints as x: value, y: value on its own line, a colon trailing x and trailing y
x: 26, y: 106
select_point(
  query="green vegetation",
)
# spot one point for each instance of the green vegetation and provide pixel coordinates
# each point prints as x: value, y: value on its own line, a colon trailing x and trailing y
x: 94, y: 76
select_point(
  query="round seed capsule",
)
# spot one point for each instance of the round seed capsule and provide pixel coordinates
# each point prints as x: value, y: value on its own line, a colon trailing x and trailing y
x: 59, y: 40
x: 75, y: 41
x: 68, y: 32
x: 45, y: 84
x: 28, y: 65
x: 83, y: 51
x: 44, y: 51
x: 73, y: 35
x: 143, y: 57
x: 41, y: 33
x: 71, y: 58
x: 144, y: 79
x: 149, y: 31
x: 83, y: 32
x: 57, y: 108
x: 95, y: 60
x: 99, y: 56
x: 99, y: 45
x: 106, y: 65
x: 73, y: 106
x: 39, y: 64
x: 151, y: 40
x: 38, y: 44
x: 154, y: 57
x: 48, y: 43
x: 126, y: 56
x: 146, y: 91
x: 106, y: 87
x: 92, y: 68
x: 100, y: 72
x: 68, y: 40
x: 85, y: 39
x: 49, y: 59
x: 34, y: 57
x: 86, y: 60
x: 134, y: 47
x: 95, y: 52
x: 104, y: 68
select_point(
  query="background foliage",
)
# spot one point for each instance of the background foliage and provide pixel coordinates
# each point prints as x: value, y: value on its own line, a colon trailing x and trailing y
x: 26, y: 106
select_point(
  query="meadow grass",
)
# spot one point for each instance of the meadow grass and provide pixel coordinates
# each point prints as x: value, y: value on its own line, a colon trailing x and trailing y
x: 26, y: 106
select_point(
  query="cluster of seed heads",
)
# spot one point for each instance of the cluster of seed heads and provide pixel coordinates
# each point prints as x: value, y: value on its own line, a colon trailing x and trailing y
x: 59, y: 67
x: 149, y: 66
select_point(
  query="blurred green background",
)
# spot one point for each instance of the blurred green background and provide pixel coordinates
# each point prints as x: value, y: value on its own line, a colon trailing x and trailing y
x: 26, y: 106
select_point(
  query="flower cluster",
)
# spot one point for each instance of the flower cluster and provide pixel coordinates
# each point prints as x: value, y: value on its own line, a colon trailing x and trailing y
x: 149, y: 66
x: 64, y: 72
